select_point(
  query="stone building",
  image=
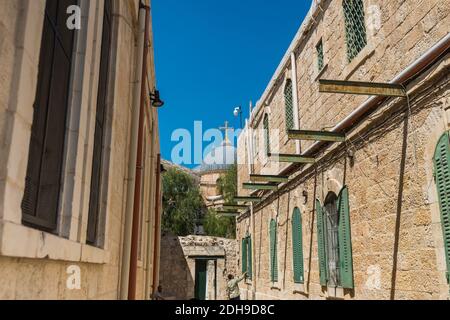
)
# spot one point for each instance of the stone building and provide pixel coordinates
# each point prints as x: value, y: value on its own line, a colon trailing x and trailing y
x: 196, y: 267
x: 79, y: 144
x: 366, y: 217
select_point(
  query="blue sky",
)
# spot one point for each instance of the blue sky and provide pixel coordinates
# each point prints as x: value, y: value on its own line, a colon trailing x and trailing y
x: 213, y: 55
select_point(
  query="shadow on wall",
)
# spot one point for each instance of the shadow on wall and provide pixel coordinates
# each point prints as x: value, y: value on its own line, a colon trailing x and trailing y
x: 175, y: 275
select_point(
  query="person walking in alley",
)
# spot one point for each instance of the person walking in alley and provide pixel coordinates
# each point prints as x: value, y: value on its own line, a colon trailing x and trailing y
x: 233, y: 286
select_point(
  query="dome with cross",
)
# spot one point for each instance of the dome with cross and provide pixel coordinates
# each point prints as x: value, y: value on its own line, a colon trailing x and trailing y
x: 219, y: 158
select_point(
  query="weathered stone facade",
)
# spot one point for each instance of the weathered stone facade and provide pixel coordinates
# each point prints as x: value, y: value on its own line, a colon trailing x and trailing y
x: 35, y: 264
x: 178, y: 258
x: 386, y: 161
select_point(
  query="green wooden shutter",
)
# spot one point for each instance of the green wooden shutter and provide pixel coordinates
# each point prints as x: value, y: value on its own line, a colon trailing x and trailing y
x: 244, y: 255
x: 345, y: 241
x: 249, y: 260
x: 297, y: 246
x: 323, y: 265
x: 442, y: 176
x: 289, y: 105
x: 273, y: 251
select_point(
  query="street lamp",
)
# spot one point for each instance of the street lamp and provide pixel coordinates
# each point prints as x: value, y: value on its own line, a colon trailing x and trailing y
x: 238, y: 113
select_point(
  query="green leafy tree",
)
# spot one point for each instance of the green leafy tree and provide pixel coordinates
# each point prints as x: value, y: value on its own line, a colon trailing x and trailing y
x: 182, y: 203
x: 215, y: 225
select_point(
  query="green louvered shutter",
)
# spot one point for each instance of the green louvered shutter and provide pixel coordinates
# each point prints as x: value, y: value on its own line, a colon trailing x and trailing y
x: 297, y: 246
x: 345, y: 240
x: 442, y: 176
x: 321, y: 244
x: 244, y: 255
x: 249, y: 261
x: 273, y: 252
x: 289, y: 105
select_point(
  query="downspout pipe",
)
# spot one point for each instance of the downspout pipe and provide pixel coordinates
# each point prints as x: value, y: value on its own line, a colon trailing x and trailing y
x: 156, y: 251
x: 139, y: 168
x: 428, y: 58
x: 126, y: 253
x: 149, y: 285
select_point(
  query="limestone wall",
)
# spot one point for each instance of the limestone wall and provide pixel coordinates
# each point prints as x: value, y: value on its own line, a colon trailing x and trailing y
x: 395, y: 221
x: 178, y: 254
x: 36, y: 264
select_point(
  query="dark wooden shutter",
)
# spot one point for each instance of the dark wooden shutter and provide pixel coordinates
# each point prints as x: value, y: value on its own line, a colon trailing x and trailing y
x: 249, y: 258
x: 297, y: 246
x: 100, y: 119
x: 345, y: 241
x: 442, y: 176
x: 321, y: 245
x: 43, y: 180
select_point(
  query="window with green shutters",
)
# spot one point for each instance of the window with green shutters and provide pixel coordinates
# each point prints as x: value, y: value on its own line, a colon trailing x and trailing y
x: 297, y: 246
x: 273, y: 251
x: 442, y: 177
x: 266, y: 134
x: 335, y: 270
x: 355, y: 27
x: 289, y: 105
x: 244, y: 255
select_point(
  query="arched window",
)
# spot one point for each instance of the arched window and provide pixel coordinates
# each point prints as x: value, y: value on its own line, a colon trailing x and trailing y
x: 355, y: 27
x: 334, y: 241
x: 273, y: 251
x: 297, y: 246
x: 442, y: 173
x: 266, y: 134
x: 289, y: 105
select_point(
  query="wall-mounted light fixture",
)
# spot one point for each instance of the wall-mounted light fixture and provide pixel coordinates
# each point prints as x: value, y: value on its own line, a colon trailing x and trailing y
x: 305, y: 197
x: 155, y: 99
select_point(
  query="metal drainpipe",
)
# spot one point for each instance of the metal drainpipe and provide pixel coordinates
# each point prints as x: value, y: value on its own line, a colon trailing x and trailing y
x: 157, y: 238
x: 371, y: 104
x: 126, y: 254
x: 139, y: 167
x: 149, y: 285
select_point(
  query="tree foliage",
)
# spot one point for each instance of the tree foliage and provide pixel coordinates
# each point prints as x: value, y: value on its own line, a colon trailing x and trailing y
x: 215, y: 225
x: 182, y: 202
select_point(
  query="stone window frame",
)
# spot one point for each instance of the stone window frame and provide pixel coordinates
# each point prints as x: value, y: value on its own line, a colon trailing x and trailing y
x: 68, y: 243
x: 437, y: 130
x: 333, y: 184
